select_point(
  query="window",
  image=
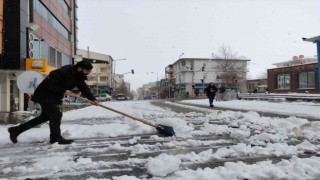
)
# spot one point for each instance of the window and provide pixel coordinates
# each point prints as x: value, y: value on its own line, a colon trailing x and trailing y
x: 64, y: 6
x: 103, y: 78
x: 91, y: 78
x: 307, y: 79
x: 45, y: 50
x: 52, y: 61
x: 48, y: 16
x: 59, y: 59
x: 65, y: 59
x: 283, y: 81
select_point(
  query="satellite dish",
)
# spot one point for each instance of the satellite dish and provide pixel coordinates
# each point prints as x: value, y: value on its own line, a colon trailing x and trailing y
x: 28, y: 81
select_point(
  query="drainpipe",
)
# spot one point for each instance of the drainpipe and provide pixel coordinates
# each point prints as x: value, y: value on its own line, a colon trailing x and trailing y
x: 318, y: 55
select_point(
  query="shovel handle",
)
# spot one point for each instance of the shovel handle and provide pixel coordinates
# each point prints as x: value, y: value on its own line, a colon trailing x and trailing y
x: 119, y: 112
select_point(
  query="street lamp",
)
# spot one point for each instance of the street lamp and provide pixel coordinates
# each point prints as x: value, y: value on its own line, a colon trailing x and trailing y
x: 157, y: 82
x: 114, y: 72
x: 97, y: 73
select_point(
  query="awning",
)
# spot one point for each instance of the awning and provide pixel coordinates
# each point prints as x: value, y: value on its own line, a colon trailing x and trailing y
x: 103, y: 85
x: 198, y: 85
x: 263, y: 86
x: 48, y: 70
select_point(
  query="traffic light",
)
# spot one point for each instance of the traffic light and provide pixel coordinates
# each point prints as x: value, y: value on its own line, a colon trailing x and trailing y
x: 203, y: 68
x: 132, y: 71
x: 202, y: 80
x: 192, y: 86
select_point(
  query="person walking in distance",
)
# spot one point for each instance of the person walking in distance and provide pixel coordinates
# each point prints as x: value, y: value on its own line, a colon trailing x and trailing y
x: 49, y: 95
x: 211, y: 90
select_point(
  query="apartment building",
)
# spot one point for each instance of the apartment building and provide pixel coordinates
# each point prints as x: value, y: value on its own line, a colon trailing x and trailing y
x: 100, y: 78
x: 194, y: 74
x: 42, y: 31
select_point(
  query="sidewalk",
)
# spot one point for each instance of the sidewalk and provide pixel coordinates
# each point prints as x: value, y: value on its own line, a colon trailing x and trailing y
x: 21, y: 116
x: 306, y: 110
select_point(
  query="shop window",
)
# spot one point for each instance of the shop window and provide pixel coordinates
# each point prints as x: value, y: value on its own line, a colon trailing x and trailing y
x: 307, y: 79
x: 283, y: 81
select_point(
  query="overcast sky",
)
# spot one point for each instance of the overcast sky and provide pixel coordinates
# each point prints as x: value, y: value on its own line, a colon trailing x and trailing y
x: 152, y: 34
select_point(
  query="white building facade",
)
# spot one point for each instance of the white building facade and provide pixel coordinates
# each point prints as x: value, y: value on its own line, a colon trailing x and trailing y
x: 194, y: 74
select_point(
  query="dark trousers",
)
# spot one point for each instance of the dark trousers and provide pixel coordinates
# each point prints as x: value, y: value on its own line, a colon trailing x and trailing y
x: 51, y: 113
x: 211, y: 98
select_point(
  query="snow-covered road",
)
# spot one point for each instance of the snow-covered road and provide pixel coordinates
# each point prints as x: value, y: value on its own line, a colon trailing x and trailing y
x: 209, y: 144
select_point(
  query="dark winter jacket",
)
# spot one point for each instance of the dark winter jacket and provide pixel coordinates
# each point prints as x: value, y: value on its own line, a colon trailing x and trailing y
x: 211, y: 90
x: 53, y: 87
x: 222, y: 89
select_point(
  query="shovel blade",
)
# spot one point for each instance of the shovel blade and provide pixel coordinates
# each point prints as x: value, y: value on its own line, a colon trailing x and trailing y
x: 165, y: 130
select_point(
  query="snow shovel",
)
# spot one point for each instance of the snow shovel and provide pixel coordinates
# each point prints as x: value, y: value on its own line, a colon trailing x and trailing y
x: 162, y: 129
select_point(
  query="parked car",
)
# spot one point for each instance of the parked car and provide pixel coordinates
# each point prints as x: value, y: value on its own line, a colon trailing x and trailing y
x: 121, y: 97
x: 104, y: 97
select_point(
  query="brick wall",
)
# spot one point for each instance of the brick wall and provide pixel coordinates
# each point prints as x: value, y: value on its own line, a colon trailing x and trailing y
x: 294, y: 78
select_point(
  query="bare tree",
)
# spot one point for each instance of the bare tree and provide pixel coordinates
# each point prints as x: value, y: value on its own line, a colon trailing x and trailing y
x: 230, y: 71
x: 123, y: 89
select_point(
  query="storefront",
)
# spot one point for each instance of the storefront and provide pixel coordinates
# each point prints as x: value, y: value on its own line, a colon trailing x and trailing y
x: 11, y: 98
x: 299, y: 79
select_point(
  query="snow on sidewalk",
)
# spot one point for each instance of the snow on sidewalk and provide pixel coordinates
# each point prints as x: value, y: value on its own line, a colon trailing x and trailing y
x: 301, y: 109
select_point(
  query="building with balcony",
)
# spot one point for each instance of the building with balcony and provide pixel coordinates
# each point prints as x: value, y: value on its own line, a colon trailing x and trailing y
x: 194, y: 74
x: 118, y: 80
x: 149, y: 91
x: 36, y: 30
x: 99, y: 80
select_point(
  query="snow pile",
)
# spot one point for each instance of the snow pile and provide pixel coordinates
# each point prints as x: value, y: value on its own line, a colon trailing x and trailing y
x: 163, y: 165
x: 295, y: 168
x: 285, y: 108
x: 243, y: 135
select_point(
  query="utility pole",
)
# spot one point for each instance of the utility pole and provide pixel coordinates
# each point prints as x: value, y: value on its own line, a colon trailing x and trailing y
x: 157, y: 82
x: 113, y: 74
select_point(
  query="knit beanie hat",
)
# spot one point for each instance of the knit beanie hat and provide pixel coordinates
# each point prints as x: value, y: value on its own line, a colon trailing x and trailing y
x: 84, y: 64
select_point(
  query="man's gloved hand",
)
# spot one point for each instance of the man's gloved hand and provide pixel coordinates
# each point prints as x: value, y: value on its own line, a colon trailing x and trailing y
x: 69, y: 93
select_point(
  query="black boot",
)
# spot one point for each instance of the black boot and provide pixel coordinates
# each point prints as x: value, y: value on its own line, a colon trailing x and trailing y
x: 60, y: 140
x: 17, y: 130
x: 14, y: 133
